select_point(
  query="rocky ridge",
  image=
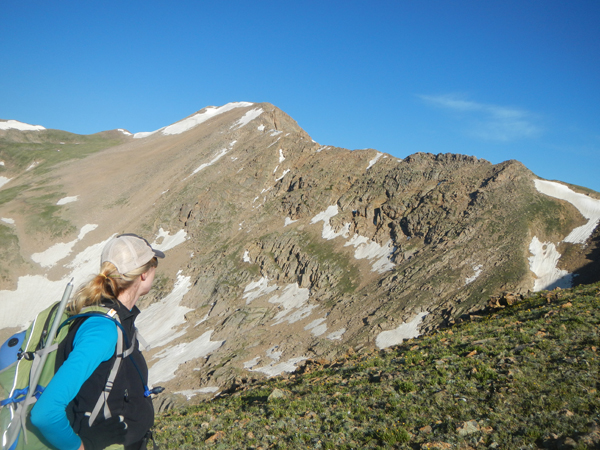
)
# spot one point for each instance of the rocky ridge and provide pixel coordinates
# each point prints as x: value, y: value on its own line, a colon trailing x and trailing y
x: 280, y: 249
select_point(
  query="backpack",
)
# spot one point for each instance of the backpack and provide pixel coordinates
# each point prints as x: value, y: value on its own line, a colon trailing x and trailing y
x: 16, y: 396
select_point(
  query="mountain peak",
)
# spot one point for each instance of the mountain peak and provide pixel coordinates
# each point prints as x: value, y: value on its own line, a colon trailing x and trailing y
x: 279, y: 249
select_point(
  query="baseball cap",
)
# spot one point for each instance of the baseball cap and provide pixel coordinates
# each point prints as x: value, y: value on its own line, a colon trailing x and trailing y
x: 128, y: 252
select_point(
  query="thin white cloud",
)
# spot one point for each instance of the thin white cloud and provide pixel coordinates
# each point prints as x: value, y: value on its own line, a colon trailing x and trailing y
x: 486, y: 121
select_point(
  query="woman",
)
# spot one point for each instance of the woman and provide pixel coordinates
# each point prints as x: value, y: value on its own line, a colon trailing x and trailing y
x: 88, y: 354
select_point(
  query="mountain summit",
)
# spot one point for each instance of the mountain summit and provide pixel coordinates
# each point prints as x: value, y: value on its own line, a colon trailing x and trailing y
x: 279, y: 249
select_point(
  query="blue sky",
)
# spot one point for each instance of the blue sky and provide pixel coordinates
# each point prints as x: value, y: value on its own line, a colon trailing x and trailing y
x: 495, y: 79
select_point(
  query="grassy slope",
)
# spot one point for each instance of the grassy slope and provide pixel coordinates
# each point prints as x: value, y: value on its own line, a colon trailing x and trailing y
x: 521, y: 377
x: 51, y: 147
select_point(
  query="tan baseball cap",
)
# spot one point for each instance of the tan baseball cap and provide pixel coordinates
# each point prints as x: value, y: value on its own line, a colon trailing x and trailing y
x: 128, y: 252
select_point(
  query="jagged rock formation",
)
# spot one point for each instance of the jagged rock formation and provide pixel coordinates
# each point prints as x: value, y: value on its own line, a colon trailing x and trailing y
x: 279, y: 249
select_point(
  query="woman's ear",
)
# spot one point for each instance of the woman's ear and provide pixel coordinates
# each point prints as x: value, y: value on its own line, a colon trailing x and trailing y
x: 144, y: 276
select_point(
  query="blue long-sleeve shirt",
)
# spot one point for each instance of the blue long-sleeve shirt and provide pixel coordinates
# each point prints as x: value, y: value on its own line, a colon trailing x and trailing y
x: 94, y: 342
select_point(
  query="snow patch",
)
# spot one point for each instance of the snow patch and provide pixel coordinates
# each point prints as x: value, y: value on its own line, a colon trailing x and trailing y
x: 16, y: 125
x: 336, y: 335
x: 292, y: 300
x: 168, y: 241
x: 125, y: 132
x: 7, y: 220
x: 328, y: 231
x: 195, y: 120
x: 273, y: 354
x: 65, y: 200
x: 277, y: 140
x: 317, y: 327
x: 144, y: 134
x: 543, y: 265
x: 478, y: 270
x: 288, y: 221
x: 21, y: 305
x: 32, y: 165
x: 587, y: 206
x: 407, y: 330
x: 189, y: 393
x: 36, y: 292
x: 204, y: 319
x: 261, y: 128
x: 170, y: 358
x: 374, y: 160
x: 257, y: 289
x: 247, y: 118
x: 281, y: 157
x: 545, y: 257
x: 160, y: 321
x: 285, y: 172
x: 51, y: 256
x: 4, y: 180
x: 253, y: 362
x: 367, y: 249
x: 272, y: 370
x: 219, y: 155
x: 246, y: 257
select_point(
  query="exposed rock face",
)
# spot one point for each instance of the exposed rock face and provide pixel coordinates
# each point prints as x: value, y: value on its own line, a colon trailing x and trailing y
x: 292, y: 250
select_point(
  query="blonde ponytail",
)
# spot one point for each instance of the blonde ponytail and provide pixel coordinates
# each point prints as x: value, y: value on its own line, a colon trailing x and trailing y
x: 109, y: 283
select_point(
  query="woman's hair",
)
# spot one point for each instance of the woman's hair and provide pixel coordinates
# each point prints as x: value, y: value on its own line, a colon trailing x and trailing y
x: 109, y: 283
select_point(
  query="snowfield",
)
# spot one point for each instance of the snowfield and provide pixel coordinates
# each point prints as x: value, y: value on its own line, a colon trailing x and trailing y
x: 59, y: 251
x: 587, y: 206
x: 164, y: 241
x: 407, y: 330
x: 545, y: 256
x: 477, y: 269
x: 293, y: 301
x: 170, y: 358
x: 272, y: 370
x: 543, y: 264
x: 4, y: 180
x: 193, y: 121
x: 247, y: 118
x: 159, y: 323
x: 65, y: 200
x: 16, y: 125
x: 374, y: 160
x: 258, y: 289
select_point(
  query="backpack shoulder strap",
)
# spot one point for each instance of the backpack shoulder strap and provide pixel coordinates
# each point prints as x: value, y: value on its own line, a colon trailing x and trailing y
x: 123, y: 350
x: 102, y: 402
